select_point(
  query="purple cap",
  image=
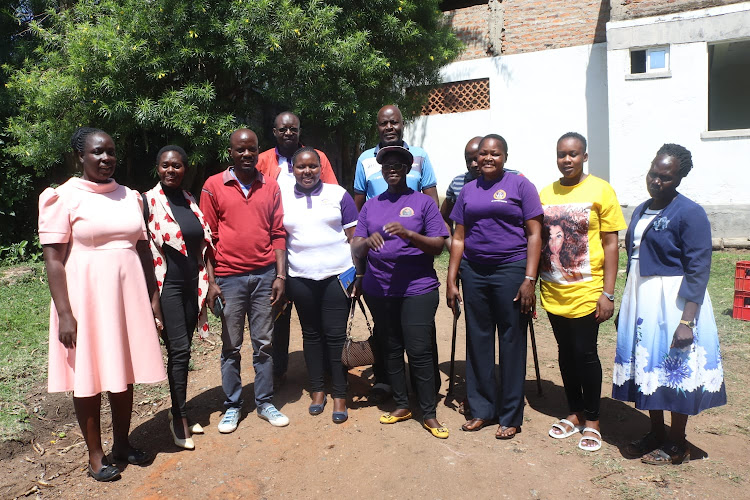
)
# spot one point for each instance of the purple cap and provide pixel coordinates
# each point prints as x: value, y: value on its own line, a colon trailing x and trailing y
x: 404, y: 153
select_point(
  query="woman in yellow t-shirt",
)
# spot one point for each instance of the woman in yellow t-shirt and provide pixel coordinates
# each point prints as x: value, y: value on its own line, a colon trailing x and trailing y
x: 578, y: 269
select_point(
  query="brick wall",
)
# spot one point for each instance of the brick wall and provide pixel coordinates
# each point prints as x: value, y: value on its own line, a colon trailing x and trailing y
x: 532, y: 25
x: 631, y: 9
x: 529, y: 25
x: 472, y: 27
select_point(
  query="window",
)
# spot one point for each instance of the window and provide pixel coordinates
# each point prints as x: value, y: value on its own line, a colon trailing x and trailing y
x: 651, y: 60
x: 729, y: 85
x: 457, y: 97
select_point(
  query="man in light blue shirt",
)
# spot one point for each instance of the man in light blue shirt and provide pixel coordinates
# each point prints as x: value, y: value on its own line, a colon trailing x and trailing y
x: 368, y: 177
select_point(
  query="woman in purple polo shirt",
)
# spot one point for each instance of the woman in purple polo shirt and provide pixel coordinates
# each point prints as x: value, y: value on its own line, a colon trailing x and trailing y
x: 496, y: 246
x: 397, y: 237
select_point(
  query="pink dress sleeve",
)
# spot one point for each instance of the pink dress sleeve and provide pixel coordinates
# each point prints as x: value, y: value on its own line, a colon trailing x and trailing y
x: 54, y: 218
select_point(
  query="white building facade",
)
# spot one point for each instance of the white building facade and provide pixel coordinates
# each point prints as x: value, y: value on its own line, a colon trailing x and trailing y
x: 682, y: 77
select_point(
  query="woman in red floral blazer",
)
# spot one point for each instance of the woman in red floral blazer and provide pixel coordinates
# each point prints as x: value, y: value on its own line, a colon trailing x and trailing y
x: 179, y: 240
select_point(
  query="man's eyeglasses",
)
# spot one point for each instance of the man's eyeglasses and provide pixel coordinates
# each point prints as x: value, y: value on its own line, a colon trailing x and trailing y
x: 396, y: 167
x: 284, y: 130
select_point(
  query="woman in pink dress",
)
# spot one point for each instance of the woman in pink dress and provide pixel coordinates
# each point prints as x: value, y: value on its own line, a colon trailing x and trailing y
x: 103, y: 330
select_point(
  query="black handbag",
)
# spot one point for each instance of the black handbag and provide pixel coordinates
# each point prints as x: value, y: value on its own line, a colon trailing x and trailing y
x: 357, y: 352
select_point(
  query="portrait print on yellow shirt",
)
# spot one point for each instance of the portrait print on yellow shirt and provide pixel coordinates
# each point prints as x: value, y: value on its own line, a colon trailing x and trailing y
x: 565, y: 243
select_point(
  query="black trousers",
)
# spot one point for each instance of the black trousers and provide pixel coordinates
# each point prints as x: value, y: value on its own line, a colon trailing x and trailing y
x: 488, y: 301
x: 381, y: 341
x: 179, y: 307
x: 580, y: 367
x: 407, y: 323
x: 323, y: 310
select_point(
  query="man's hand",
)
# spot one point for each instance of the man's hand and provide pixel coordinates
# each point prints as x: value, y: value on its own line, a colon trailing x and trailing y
x: 277, y: 292
x: 213, y: 291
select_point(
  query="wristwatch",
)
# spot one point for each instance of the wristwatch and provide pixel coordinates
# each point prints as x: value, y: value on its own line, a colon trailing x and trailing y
x: 610, y: 296
x: 689, y: 324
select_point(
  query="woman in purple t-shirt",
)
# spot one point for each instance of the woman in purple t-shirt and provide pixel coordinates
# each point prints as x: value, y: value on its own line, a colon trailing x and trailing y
x: 496, y: 246
x: 398, y: 234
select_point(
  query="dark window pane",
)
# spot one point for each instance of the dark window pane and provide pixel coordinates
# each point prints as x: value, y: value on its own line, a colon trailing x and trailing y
x: 637, y: 61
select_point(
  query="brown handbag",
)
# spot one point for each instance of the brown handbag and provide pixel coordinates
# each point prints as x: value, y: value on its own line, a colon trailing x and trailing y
x: 357, y: 352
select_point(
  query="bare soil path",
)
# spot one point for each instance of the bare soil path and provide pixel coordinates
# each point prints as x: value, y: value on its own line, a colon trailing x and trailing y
x: 314, y: 458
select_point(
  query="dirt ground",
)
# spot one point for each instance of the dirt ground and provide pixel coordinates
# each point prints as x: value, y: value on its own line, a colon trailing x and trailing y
x: 313, y: 457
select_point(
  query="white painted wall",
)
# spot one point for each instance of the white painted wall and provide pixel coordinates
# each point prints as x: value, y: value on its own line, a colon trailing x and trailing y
x: 644, y: 114
x: 534, y: 99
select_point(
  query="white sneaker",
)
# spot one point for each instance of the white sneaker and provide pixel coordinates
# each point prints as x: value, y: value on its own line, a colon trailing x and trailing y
x: 229, y: 421
x: 274, y: 416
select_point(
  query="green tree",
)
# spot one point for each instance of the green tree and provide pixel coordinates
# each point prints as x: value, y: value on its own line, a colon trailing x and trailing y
x: 190, y: 71
x: 16, y: 182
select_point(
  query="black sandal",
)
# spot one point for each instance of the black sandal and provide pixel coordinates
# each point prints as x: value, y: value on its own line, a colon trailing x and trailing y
x: 669, y: 453
x: 106, y: 473
x: 133, y: 457
x: 644, y: 445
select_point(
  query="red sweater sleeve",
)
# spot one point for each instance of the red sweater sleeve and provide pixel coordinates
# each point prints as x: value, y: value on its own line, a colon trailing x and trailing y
x: 278, y: 233
x: 326, y: 171
x: 208, y: 207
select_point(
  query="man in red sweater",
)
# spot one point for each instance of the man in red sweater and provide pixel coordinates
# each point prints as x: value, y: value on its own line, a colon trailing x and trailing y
x: 247, y: 272
x: 277, y: 164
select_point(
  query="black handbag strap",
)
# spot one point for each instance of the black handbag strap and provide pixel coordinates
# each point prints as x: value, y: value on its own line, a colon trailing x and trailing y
x: 351, y: 318
x: 145, y: 209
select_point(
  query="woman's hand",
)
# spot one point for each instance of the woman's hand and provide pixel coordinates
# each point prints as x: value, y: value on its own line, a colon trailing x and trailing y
x: 683, y: 337
x: 527, y: 296
x: 396, y: 229
x: 355, y: 289
x: 453, y: 295
x: 605, y: 308
x: 158, y: 317
x: 68, y: 330
x: 375, y: 241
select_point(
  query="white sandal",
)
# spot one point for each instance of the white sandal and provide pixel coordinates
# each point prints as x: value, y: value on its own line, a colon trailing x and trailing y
x: 597, y: 440
x: 564, y: 432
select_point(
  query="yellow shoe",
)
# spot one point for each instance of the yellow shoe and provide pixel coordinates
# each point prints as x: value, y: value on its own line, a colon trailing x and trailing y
x: 195, y: 428
x: 438, y: 432
x: 387, y: 418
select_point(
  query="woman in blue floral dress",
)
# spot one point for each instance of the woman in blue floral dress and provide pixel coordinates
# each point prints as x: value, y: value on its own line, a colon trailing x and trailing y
x: 667, y: 344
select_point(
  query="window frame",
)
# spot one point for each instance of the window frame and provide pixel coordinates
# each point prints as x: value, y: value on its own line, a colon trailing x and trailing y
x: 650, y: 72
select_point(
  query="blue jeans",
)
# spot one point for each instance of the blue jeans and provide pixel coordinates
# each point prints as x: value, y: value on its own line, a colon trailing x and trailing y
x: 247, y: 294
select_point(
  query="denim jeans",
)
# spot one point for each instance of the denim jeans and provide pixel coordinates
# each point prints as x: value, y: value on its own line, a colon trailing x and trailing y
x: 247, y: 295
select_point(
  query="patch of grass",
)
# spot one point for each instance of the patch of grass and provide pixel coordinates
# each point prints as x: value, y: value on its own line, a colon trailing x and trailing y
x: 721, y: 289
x: 24, y: 320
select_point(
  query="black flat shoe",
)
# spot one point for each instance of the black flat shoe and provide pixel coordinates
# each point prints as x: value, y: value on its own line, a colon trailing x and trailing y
x: 318, y: 409
x: 134, y: 457
x: 339, y: 417
x: 106, y: 473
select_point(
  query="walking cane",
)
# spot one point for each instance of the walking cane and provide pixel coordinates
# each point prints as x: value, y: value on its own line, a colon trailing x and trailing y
x: 456, y: 314
x: 533, y: 350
